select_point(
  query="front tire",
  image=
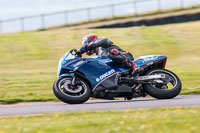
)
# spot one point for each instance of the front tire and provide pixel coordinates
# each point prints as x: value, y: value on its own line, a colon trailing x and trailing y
x: 66, y: 94
x: 162, y: 91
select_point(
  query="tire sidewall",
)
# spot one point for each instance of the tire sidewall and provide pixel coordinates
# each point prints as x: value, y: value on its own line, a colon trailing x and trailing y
x: 70, y: 99
x: 159, y: 93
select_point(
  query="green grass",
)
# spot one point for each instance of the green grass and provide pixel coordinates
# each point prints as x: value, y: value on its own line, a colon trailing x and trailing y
x: 151, y: 120
x: 28, y: 61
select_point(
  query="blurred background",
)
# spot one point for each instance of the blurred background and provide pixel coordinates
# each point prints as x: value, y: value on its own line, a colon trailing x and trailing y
x: 24, y: 15
x: 35, y: 34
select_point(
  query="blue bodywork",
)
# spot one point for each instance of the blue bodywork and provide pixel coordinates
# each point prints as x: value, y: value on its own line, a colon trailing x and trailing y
x: 96, y: 69
x: 148, y: 59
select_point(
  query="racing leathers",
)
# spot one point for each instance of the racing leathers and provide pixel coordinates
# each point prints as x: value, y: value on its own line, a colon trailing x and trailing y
x: 104, y: 47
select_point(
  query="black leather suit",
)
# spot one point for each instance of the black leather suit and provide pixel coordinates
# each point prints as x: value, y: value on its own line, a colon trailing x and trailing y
x: 105, y: 47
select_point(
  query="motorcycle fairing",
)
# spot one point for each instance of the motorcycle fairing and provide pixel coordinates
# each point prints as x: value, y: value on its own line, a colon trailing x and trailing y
x: 94, y: 72
x: 148, y: 60
x: 64, y: 61
x: 109, y: 62
x: 98, y: 69
x: 108, y: 83
x: 94, y: 69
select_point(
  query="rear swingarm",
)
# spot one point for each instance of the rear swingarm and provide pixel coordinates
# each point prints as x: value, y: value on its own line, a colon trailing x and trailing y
x: 146, y: 79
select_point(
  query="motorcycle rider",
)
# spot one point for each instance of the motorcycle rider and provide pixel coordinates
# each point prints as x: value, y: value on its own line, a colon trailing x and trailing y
x: 102, y: 46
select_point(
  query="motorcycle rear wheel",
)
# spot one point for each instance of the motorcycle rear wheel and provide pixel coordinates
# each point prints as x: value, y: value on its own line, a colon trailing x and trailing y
x: 63, y: 92
x: 162, y: 91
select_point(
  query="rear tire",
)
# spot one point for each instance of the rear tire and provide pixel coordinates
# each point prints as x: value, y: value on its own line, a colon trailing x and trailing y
x: 163, y: 93
x: 81, y: 96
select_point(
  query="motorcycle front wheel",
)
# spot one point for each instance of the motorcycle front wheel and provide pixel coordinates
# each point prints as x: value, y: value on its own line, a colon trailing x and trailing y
x: 72, y: 95
x: 169, y: 89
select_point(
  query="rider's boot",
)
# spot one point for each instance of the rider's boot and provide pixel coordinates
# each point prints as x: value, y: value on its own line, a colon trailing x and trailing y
x: 135, y: 70
x: 130, y: 64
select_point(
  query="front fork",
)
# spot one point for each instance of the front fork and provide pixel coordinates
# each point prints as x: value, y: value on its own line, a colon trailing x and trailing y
x: 75, y: 82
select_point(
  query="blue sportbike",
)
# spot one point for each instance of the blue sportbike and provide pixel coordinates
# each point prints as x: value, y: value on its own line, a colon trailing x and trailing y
x: 99, y: 77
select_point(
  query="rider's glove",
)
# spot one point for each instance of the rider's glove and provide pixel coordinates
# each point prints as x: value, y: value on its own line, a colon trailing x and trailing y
x: 78, y: 53
x: 82, y: 50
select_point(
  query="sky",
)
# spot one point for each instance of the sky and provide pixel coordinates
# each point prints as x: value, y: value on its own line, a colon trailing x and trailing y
x: 19, y: 8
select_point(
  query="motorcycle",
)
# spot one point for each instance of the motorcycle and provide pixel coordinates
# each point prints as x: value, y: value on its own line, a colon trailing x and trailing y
x: 99, y: 77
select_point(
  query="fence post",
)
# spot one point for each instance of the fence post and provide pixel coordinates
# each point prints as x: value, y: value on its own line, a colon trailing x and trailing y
x: 159, y: 5
x: 112, y: 10
x: 135, y: 7
x: 43, y: 21
x: 88, y: 13
x: 66, y: 17
x: 22, y: 24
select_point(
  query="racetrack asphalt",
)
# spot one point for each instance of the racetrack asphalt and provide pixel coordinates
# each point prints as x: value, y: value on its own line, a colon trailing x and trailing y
x: 47, y: 107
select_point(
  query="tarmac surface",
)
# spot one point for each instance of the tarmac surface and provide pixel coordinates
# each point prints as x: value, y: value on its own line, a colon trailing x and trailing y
x: 47, y: 107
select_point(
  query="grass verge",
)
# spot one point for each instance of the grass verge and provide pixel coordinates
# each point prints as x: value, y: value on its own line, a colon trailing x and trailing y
x: 159, y: 120
x: 28, y: 61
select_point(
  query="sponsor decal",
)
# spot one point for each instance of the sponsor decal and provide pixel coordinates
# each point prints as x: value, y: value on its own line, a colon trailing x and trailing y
x: 103, y: 76
x: 149, y: 59
x: 149, y: 63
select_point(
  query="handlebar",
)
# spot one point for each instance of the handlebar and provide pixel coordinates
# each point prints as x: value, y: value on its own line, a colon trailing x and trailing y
x: 75, y: 52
